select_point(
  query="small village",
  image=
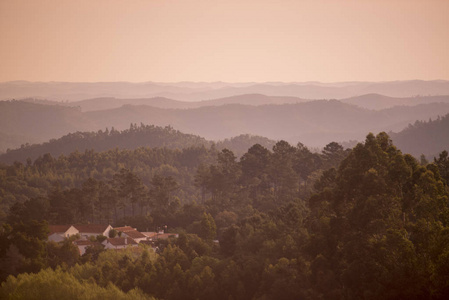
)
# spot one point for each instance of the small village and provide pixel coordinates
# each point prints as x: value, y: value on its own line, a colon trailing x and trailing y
x: 106, y: 236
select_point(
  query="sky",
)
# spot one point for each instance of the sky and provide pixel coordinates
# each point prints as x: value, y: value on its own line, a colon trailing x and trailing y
x: 229, y: 40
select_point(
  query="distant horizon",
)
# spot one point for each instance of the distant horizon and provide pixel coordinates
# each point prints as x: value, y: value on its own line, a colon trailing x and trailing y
x: 202, y: 91
x: 233, y: 82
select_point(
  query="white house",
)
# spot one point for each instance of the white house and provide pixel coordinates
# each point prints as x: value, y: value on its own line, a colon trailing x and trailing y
x: 60, y: 232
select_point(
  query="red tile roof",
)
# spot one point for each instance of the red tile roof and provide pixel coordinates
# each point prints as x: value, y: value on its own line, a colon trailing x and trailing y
x: 58, y: 228
x: 135, y: 234
x: 84, y: 242
x: 91, y: 228
x: 124, y: 228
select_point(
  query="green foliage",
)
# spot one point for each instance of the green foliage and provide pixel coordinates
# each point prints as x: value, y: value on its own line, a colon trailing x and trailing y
x: 373, y: 222
x: 208, y: 229
x: 62, y: 253
x: 112, y: 233
x: 49, y: 284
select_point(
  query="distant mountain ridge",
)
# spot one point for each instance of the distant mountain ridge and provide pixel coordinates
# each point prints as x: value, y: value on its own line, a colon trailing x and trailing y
x: 161, y: 102
x: 191, y: 91
x: 379, y: 102
x: 369, y: 101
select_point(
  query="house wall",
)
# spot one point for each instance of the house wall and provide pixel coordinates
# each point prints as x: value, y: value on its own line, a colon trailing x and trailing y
x: 71, y: 231
x: 106, y: 232
x: 82, y: 248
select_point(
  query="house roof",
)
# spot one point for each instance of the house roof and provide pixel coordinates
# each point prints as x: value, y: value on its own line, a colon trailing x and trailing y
x: 91, y: 228
x: 149, y: 233
x: 121, y: 241
x: 135, y: 234
x: 58, y: 228
x: 84, y: 242
x: 124, y: 228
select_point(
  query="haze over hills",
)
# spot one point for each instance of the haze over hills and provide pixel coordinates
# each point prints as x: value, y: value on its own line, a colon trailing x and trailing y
x: 191, y: 91
x: 313, y: 123
x: 427, y: 137
x: 378, y: 102
x: 161, y: 102
x: 23, y: 122
x: 219, y: 110
x: 369, y: 101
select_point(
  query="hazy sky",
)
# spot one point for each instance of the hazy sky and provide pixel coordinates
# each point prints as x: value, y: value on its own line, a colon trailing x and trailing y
x: 229, y: 40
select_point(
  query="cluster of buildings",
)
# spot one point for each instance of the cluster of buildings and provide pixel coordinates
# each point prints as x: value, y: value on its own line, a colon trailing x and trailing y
x: 87, y: 236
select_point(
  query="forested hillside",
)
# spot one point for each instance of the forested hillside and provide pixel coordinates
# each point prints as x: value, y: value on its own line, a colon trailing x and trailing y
x: 369, y: 222
x: 424, y: 137
x: 132, y: 138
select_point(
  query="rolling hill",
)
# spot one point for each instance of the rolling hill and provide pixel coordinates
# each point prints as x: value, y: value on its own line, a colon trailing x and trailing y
x: 424, y: 137
x: 160, y: 102
x: 369, y: 101
x: 313, y: 123
x: 130, y: 139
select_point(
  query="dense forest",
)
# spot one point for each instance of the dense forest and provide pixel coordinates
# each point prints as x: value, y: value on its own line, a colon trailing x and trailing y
x: 368, y: 222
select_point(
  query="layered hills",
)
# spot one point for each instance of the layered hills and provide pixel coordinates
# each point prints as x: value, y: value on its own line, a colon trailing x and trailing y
x: 313, y: 123
x: 369, y: 101
x: 161, y: 102
x: 197, y: 91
